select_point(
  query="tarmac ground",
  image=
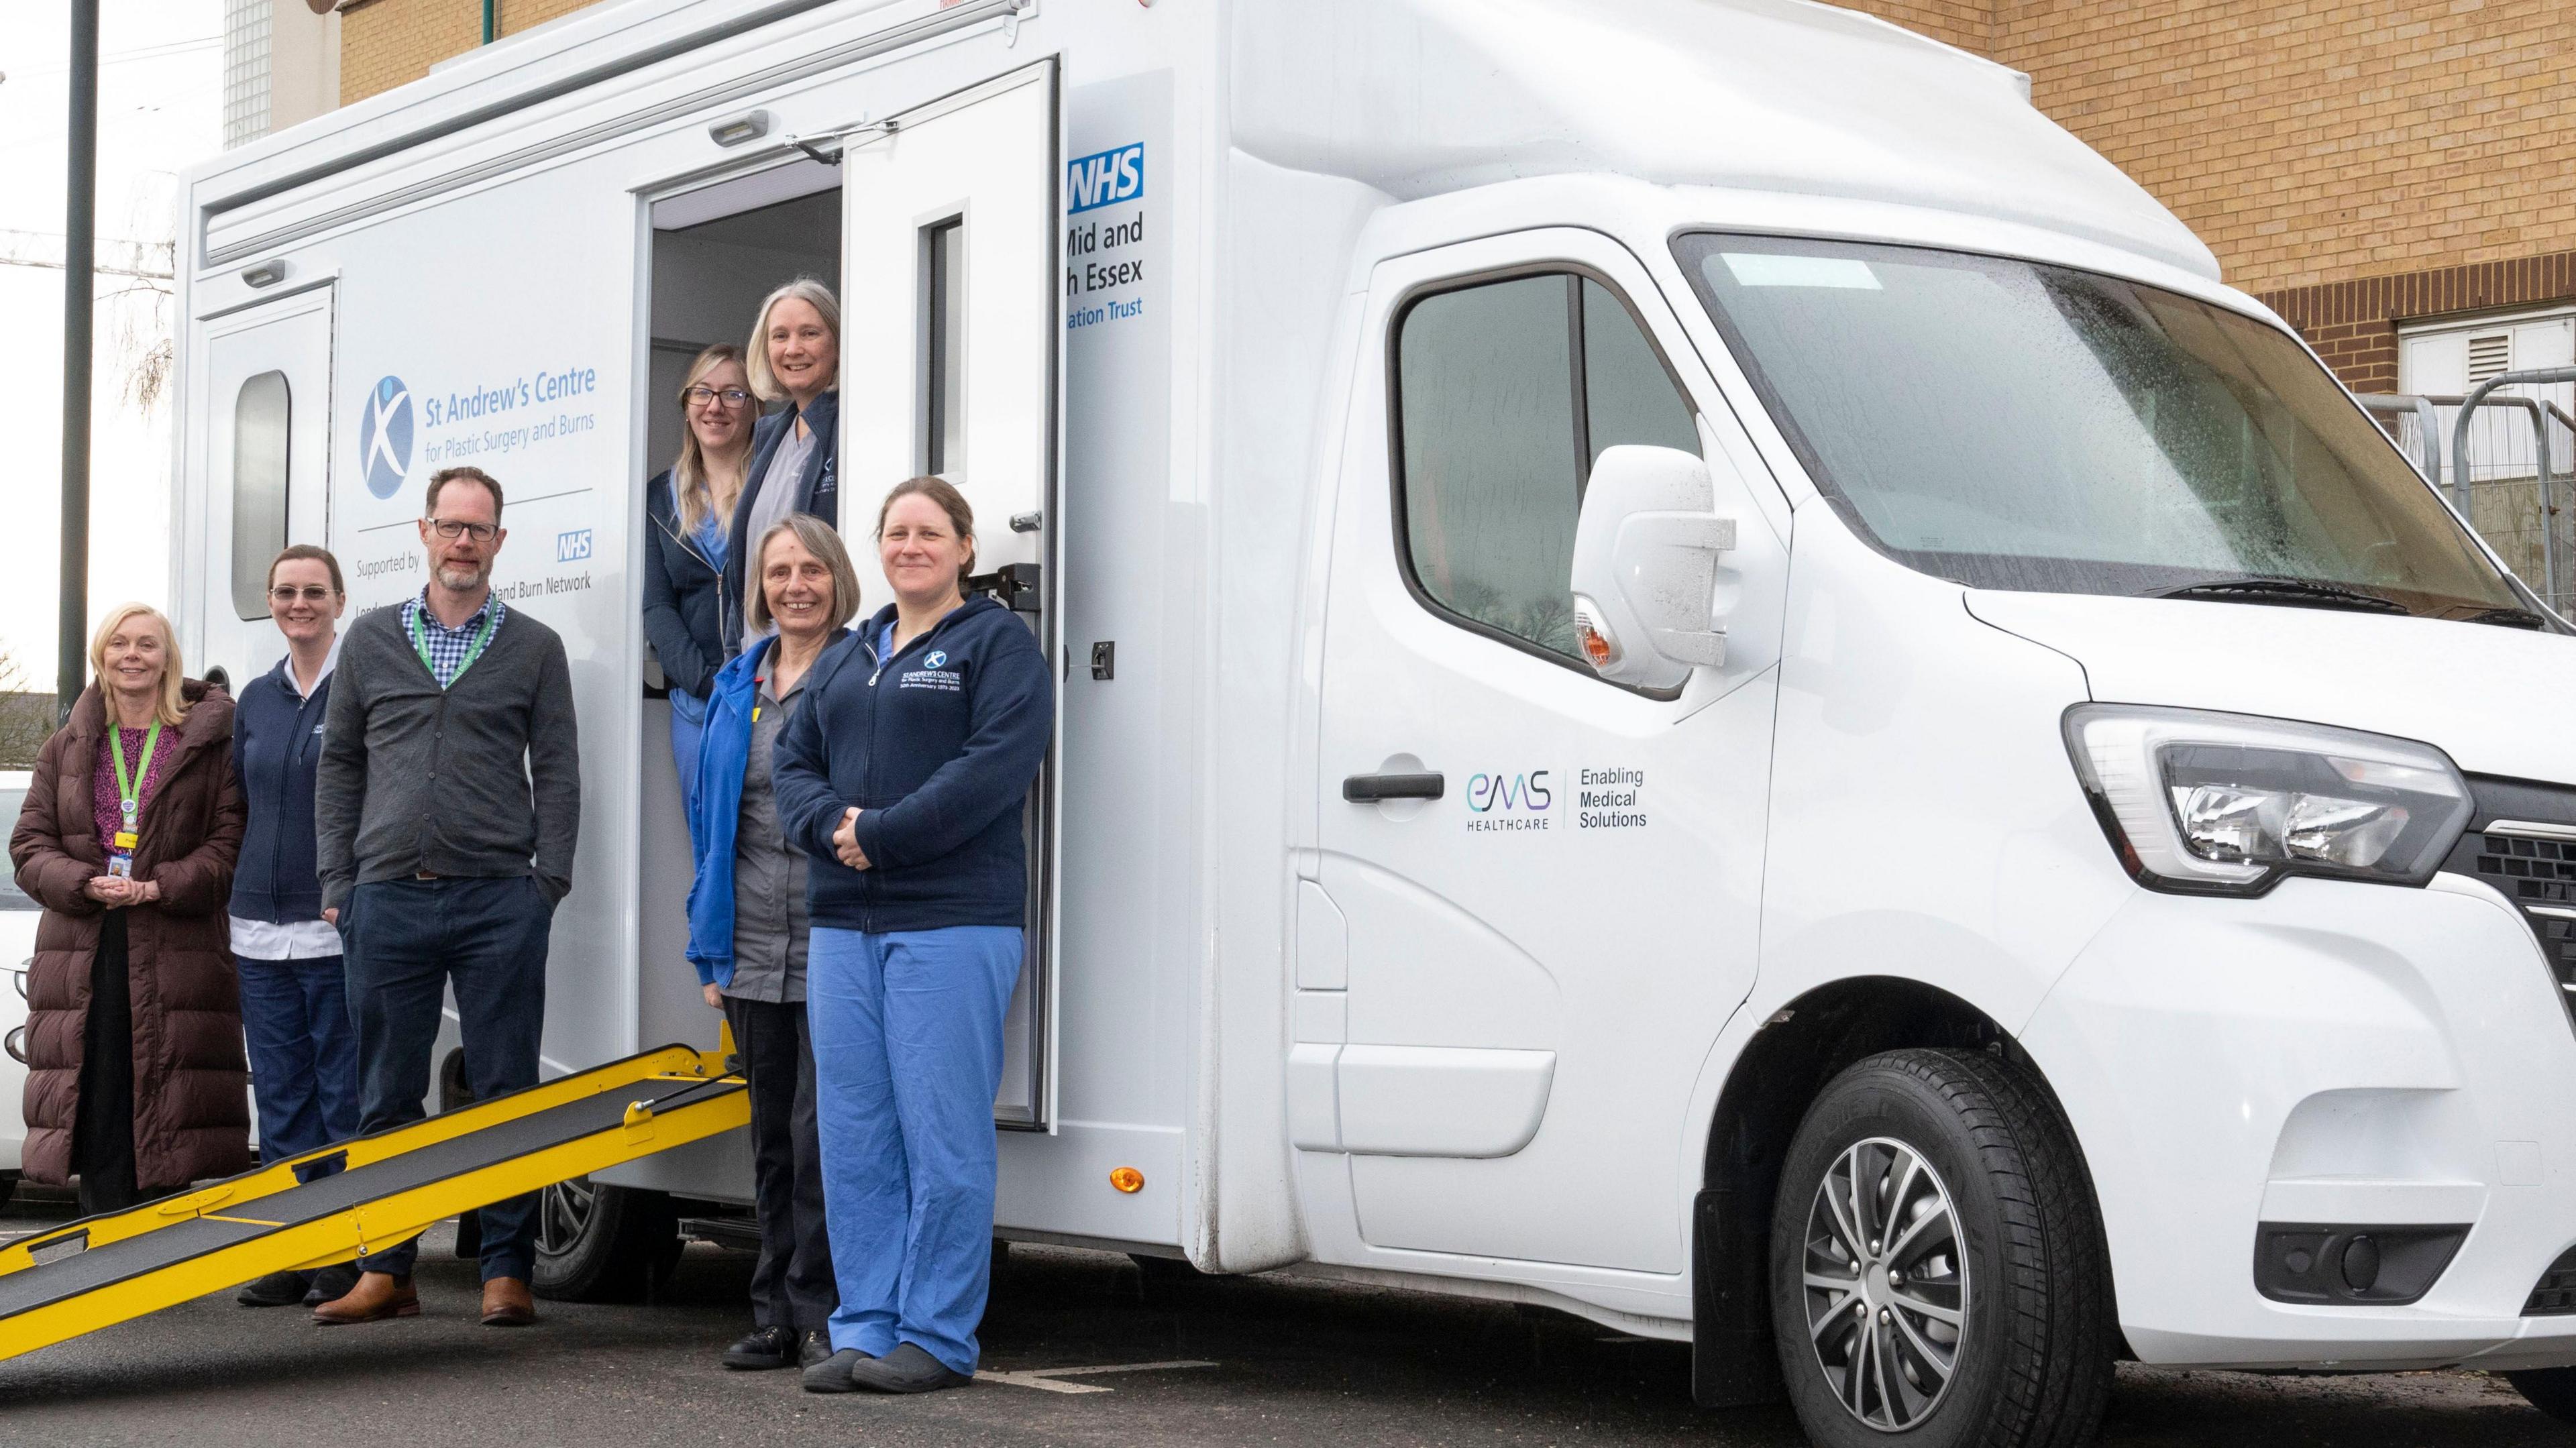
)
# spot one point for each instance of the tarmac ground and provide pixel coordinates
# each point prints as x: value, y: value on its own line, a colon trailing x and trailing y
x: 1080, y: 1348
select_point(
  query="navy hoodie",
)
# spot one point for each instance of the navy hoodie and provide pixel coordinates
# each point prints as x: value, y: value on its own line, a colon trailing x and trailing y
x: 936, y: 747
x: 277, y: 745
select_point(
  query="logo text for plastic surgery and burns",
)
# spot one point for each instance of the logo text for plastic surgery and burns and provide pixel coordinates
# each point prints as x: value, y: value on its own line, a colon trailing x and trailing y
x: 1104, y: 261
x: 503, y: 415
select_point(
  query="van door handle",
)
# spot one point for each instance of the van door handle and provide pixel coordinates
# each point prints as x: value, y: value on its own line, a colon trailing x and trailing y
x: 1370, y: 788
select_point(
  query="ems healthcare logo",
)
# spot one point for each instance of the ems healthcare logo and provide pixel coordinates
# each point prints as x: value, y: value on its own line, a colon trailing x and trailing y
x: 384, y: 437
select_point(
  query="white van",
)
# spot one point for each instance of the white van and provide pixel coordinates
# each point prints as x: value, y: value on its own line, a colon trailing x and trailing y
x: 1708, y: 676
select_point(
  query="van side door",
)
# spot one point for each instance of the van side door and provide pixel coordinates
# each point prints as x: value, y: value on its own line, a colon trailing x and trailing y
x: 1534, y: 901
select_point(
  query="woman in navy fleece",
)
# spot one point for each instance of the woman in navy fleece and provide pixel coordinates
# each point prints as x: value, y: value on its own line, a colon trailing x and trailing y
x: 902, y: 777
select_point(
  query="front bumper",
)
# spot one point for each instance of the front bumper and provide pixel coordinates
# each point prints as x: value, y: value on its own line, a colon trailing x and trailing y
x: 2331, y: 1052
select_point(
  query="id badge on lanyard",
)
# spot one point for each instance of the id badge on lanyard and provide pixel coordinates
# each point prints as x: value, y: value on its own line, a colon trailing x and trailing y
x: 129, y: 804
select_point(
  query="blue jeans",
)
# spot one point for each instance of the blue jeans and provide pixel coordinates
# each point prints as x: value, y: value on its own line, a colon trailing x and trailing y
x: 408, y: 940
x: 688, y: 731
x: 907, y: 1032
x: 303, y: 1055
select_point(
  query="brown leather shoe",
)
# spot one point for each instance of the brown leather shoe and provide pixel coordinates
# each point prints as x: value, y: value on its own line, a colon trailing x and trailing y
x: 508, y: 1303
x: 377, y: 1297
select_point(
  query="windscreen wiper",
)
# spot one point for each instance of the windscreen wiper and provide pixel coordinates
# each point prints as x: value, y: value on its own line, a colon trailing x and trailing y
x: 2295, y: 592
x: 2507, y: 618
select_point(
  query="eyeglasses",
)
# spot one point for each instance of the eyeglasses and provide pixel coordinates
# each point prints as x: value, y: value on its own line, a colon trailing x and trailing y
x: 310, y: 593
x: 730, y: 397
x: 482, y: 532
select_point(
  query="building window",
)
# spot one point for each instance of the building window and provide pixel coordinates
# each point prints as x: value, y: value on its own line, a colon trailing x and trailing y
x: 1506, y: 393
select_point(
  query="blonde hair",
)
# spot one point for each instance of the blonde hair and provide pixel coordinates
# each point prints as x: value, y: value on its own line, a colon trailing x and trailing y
x: 823, y: 543
x: 689, y: 493
x: 764, y: 383
x: 172, y: 706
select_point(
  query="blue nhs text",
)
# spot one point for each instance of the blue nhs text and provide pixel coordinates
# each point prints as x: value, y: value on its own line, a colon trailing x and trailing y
x: 1105, y: 178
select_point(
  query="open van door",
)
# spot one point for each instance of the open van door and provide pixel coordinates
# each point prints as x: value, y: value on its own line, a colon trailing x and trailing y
x: 952, y: 367
x: 260, y: 429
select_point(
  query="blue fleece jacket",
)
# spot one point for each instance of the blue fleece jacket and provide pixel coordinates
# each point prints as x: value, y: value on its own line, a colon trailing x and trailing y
x: 277, y: 746
x: 936, y: 747
x: 722, y: 755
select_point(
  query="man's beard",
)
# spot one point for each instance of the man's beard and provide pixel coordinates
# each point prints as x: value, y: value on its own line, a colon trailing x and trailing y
x: 461, y: 580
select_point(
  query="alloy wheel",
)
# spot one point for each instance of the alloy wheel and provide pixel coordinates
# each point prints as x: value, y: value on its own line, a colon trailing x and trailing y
x: 1886, y: 1279
x: 563, y: 1214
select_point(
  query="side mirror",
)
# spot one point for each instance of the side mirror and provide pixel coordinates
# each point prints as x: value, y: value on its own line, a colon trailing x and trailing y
x: 1645, y: 567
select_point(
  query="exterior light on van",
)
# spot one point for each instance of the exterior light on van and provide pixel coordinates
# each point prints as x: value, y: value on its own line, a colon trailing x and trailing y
x: 734, y: 130
x: 2208, y: 803
x: 1591, y: 631
x: 1127, y: 1179
x: 265, y: 274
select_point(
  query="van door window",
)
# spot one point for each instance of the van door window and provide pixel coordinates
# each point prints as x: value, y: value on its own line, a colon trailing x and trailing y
x: 1506, y: 392
x: 260, y: 432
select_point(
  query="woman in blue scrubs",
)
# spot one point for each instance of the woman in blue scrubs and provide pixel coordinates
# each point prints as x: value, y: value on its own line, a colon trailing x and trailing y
x: 902, y: 778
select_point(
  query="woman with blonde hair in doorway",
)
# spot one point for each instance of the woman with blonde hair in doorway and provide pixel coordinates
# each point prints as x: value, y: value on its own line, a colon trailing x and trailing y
x: 136, y: 1084
x: 794, y: 357
x: 690, y: 508
x: 748, y: 927
x: 902, y: 779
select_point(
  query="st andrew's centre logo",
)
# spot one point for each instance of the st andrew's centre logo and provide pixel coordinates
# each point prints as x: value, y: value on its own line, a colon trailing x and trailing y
x: 384, y: 437
x: 936, y: 658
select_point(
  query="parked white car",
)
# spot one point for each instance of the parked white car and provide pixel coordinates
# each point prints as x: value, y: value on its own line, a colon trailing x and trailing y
x: 17, y: 945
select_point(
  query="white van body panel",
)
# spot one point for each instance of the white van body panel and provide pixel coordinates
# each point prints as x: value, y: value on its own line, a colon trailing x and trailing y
x: 1880, y: 786
x: 2401, y: 676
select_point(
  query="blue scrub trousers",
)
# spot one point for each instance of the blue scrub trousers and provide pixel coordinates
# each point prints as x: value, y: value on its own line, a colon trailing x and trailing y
x: 303, y: 1055
x: 907, y: 1030
x: 688, y: 732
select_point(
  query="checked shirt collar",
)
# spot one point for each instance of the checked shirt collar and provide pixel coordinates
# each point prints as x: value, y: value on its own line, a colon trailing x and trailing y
x: 447, y: 646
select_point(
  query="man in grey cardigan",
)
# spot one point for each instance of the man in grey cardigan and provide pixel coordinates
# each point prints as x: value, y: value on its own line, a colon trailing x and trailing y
x: 447, y: 802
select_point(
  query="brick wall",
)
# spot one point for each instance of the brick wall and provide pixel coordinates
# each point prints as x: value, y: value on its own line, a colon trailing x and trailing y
x: 2310, y: 141
x: 2353, y: 324
x: 386, y: 43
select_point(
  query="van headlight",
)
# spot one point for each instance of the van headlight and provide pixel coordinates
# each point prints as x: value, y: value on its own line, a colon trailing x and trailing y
x: 2226, y: 804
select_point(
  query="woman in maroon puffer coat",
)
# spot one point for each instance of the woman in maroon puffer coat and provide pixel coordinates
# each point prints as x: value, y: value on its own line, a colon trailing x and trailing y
x: 135, y: 1079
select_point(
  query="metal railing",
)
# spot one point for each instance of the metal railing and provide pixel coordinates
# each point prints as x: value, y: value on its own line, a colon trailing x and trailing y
x: 2504, y: 479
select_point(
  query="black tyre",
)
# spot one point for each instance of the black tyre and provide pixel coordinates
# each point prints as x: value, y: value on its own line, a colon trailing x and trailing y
x: 8, y: 1188
x: 603, y: 1244
x: 1937, y: 1269
x: 2551, y: 1390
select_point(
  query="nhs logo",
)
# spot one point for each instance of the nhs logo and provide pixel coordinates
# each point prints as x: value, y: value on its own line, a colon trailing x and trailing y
x: 1105, y: 178
x: 573, y: 546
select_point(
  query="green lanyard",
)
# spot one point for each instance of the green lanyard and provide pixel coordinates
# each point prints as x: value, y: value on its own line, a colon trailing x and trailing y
x: 473, y: 651
x: 128, y: 786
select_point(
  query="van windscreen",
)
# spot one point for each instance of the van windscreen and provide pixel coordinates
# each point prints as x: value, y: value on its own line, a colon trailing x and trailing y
x: 2014, y: 425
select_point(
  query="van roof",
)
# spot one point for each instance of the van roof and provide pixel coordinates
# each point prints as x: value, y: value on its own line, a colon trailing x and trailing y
x: 1417, y: 97
x: 1420, y: 97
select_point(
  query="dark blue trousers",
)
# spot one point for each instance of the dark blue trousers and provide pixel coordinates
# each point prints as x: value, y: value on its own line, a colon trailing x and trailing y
x: 408, y: 941
x: 303, y: 1054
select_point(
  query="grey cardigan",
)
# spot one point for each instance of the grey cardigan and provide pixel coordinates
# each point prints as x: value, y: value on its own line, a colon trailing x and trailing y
x: 474, y: 780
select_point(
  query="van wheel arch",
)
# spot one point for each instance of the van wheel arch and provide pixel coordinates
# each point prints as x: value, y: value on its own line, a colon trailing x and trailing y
x: 1781, y: 1071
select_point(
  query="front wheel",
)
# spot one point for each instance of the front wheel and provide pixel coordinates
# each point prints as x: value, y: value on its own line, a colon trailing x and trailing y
x: 1937, y: 1265
x: 603, y: 1244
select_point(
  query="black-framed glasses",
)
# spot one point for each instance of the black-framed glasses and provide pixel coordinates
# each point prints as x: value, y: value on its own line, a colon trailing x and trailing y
x: 448, y: 528
x: 310, y: 593
x: 701, y: 395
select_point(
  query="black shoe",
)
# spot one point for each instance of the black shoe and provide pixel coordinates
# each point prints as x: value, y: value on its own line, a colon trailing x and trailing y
x: 763, y: 1348
x: 832, y: 1374
x: 331, y: 1284
x: 907, y: 1369
x: 816, y: 1346
x: 277, y: 1289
